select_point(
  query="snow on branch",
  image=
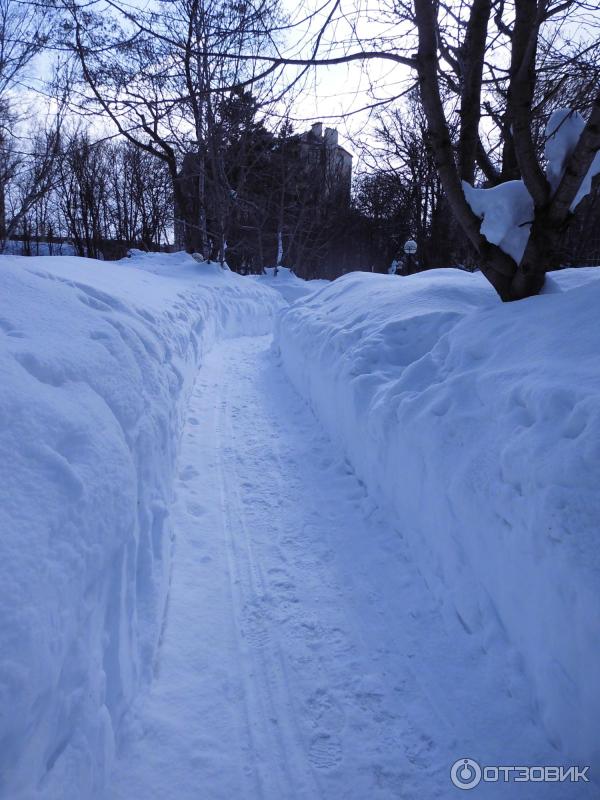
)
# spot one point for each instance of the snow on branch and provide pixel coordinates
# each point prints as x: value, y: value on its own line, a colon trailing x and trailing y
x: 506, y: 212
x: 563, y: 131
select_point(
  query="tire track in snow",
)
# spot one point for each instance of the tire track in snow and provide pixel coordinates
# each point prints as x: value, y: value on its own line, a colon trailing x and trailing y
x: 267, y: 693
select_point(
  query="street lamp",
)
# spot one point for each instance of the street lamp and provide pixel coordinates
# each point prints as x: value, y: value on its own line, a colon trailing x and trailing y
x: 410, y: 248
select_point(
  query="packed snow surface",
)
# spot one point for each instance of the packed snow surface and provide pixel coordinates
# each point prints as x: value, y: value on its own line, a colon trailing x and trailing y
x: 477, y: 425
x: 97, y: 362
x: 304, y: 655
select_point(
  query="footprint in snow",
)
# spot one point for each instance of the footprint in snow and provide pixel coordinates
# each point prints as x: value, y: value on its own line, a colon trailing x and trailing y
x: 254, y: 628
x: 189, y: 472
x: 325, y: 712
x: 325, y: 751
x: 195, y: 509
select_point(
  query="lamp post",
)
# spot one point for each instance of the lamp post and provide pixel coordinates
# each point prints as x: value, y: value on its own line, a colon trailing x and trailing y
x: 410, y: 248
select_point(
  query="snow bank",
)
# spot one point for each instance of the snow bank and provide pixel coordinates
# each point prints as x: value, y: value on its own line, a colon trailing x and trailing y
x: 288, y: 284
x: 97, y: 361
x: 478, y: 424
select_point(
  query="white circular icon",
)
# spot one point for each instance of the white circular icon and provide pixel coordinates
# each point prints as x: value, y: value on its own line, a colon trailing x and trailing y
x: 465, y: 773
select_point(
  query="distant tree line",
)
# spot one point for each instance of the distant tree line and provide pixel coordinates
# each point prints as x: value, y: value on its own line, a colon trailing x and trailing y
x: 101, y: 197
x: 156, y: 130
x: 107, y: 196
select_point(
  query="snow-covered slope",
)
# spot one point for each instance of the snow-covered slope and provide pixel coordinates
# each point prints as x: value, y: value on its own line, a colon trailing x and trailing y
x: 97, y: 361
x: 478, y: 425
x: 288, y: 284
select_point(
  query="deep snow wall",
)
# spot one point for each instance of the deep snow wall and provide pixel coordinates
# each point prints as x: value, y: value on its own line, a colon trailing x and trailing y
x: 478, y: 425
x: 96, y: 361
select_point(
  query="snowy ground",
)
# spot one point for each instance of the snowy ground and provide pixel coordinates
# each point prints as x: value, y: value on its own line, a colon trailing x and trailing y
x: 317, y: 641
x: 476, y: 424
x: 97, y: 362
x: 304, y: 655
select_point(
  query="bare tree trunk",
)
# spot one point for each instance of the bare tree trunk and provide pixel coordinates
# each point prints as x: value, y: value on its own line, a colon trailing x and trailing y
x: 2, y: 216
x: 498, y: 268
x: 520, y: 98
x: 551, y: 220
x: 190, y: 216
x: 471, y: 59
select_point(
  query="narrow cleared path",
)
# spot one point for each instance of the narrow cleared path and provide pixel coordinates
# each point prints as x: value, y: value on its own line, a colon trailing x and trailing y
x: 303, y: 655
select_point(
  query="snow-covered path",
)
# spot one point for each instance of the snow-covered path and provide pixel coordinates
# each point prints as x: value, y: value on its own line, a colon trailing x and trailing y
x: 303, y: 655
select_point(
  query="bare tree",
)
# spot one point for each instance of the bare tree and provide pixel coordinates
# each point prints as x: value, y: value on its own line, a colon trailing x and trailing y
x: 552, y: 209
x: 26, y: 156
x: 161, y: 77
x: 489, y: 68
x: 109, y: 197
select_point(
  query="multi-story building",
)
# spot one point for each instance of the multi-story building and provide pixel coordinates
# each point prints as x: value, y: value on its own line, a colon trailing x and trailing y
x: 323, y: 152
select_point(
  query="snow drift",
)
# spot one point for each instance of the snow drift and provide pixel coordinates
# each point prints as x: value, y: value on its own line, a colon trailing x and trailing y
x: 97, y: 361
x: 288, y: 284
x: 478, y: 424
